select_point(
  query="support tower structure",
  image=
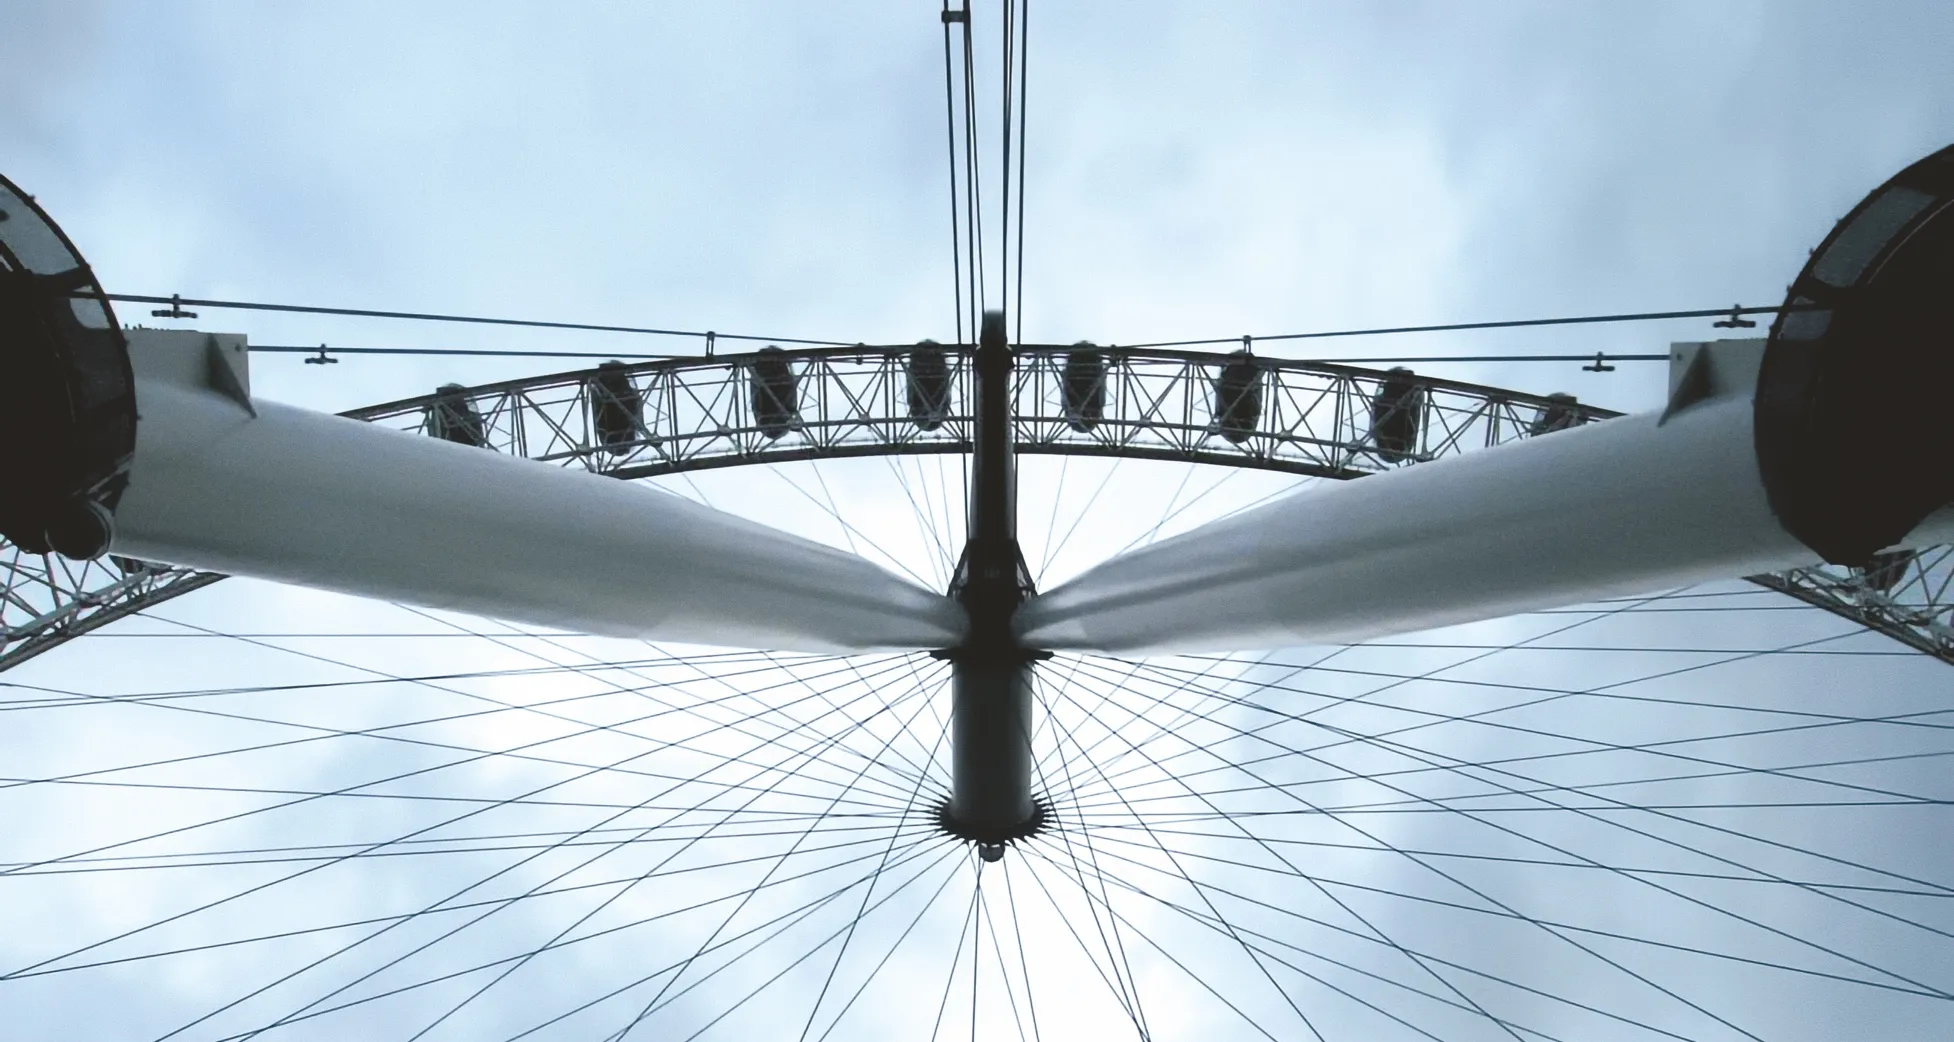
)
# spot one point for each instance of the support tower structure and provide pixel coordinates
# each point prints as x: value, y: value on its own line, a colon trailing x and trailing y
x: 991, y: 801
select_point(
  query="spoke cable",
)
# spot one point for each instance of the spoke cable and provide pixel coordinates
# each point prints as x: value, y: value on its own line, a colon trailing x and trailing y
x: 1712, y: 906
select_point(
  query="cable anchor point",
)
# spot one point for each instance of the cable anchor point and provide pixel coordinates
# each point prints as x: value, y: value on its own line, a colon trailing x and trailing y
x: 175, y: 310
x: 711, y: 337
x: 1736, y: 319
x: 1600, y: 365
x: 322, y: 358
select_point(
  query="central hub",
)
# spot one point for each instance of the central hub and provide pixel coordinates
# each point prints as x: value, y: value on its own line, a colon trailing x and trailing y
x: 990, y: 844
x: 991, y: 673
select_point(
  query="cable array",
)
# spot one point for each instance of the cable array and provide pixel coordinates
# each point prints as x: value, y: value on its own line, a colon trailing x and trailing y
x: 177, y: 302
x: 1728, y: 318
x: 971, y: 288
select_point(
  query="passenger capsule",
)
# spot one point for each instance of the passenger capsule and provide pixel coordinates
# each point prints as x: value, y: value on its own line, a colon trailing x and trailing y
x: 1238, y: 397
x: 1396, y: 413
x: 929, y: 386
x: 452, y: 417
x: 616, y: 408
x: 1085, y: 386
x: 1562, y: 412
x: 775, y: 393
x: 1886, y: 570
x: 131, y: 567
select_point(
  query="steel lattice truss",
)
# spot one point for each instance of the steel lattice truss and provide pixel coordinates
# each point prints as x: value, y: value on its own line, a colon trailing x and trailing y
x: 689, y: 414
x: 48, y: 599
x: 1917, y: 608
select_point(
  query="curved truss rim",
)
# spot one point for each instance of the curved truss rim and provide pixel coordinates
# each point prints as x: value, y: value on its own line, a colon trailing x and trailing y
x: 735, y: 362
x: 1838, y: 594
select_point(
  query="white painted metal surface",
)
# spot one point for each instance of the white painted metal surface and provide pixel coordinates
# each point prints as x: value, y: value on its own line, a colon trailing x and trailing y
x: 1618, y: 508
x: 1630, y: 506
x: 317, y: 500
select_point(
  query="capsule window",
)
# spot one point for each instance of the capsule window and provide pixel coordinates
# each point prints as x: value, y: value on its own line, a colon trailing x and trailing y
x: 1397, y: 413
x: 616, y: 408
x: 1886, y: 570
x: 1238, y: 397
x: 453, y: 417
x: 1561, y: 412
x: 928, y: 373
x: 1085, y: 386
x: 775, y: 393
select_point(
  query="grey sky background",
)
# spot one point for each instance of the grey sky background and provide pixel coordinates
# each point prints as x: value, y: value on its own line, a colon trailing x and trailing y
x: 1193, y: 170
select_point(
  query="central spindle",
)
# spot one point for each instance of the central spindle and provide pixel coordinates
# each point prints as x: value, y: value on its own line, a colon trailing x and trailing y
x: 990, y: 719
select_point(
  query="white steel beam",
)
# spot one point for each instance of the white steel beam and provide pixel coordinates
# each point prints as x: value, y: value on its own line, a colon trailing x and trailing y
x: 1628, y: 506
x: 227, y: 483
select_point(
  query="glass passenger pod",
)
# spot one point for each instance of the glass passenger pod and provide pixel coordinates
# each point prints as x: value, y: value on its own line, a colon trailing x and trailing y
x: 928, y: 378
x: 1238, y: 397
x: 453, y: 417
x: 1850, y: 424
x: 616, y: 409
x: 1885, y: 571
x: 67, y: 395
x: 775, y: 393
x: 1397, y: 414
x: 1562, y: 411
x: 1085, y: 386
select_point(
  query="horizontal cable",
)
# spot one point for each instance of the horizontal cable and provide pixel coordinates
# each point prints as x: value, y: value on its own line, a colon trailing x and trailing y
x: 469, y: 352
x: 1596, y: 359
x: 177, y: 303
x: 1731, y: 313
x: 294, y: 349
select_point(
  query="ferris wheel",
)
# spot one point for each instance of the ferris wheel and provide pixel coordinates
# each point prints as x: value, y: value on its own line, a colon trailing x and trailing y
x: 974, y: 751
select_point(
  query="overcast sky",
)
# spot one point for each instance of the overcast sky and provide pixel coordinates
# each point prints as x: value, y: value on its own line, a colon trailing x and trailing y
x: 1193, y: 170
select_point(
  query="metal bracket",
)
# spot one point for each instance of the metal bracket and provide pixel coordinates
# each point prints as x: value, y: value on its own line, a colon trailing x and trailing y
x: 175, y: 310
x: 217, y: 362
x: 1713, y: 369
x: 1736, y: 319
x: 1694, y: 386
x: 223, y: 377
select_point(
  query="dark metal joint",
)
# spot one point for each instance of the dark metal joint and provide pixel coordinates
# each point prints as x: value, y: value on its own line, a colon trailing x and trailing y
x: 1736, y: 319
x: 175, y: 310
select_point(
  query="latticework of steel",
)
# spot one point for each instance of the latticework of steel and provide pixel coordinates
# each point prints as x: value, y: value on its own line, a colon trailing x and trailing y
x: 668, y: 416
